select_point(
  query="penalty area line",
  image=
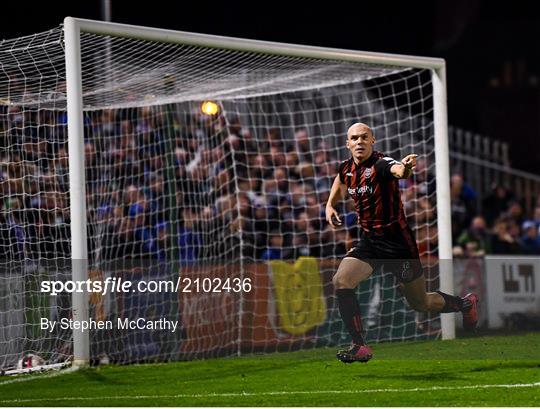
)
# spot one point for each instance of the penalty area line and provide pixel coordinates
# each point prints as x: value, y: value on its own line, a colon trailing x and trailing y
x: 274, y: 393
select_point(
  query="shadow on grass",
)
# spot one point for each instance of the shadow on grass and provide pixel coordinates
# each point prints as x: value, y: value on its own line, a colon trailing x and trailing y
x: 94, y: 375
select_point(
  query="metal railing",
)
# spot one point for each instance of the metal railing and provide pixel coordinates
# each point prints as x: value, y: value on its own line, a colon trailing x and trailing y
x: 484, y: 162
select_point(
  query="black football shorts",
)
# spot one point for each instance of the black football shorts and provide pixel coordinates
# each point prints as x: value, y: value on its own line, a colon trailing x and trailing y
x: 395, y: 251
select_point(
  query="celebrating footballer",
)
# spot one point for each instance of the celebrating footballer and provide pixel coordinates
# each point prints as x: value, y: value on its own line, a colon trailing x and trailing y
x: 371, y: 179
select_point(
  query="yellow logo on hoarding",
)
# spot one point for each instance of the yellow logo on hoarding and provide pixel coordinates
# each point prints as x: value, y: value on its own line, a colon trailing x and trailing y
x: 299, y: 294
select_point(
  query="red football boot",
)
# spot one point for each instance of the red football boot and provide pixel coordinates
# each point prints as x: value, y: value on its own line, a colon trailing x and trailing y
x: 356, y: 353
x: 470, y: 314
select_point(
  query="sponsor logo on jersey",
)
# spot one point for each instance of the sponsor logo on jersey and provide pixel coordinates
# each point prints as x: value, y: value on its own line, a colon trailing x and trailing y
x: 360, y: 190
x: 365, y: 189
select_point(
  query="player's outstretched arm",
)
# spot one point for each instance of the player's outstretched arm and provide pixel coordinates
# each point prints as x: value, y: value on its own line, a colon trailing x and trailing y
x: 336, y: 194
x: 404, y: 169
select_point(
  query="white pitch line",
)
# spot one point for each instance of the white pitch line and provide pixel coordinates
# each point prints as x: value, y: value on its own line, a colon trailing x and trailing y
x: 275, y: 393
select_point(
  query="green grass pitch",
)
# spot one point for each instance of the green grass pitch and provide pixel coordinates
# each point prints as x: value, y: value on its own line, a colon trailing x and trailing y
x: 478, y: 371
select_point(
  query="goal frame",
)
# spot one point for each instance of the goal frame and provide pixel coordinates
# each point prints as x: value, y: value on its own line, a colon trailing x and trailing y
x: 72, y: 30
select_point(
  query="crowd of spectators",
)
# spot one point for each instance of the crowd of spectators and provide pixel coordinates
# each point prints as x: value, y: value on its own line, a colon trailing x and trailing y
x: 502, y: 227
x: 199, y: 189
x: 168, y: 185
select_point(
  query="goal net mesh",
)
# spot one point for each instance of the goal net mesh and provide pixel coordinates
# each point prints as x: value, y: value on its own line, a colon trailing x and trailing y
x: 228, y: 207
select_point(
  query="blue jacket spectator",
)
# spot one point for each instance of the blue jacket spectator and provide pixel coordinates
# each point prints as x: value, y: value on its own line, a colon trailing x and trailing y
x: 530, y: 241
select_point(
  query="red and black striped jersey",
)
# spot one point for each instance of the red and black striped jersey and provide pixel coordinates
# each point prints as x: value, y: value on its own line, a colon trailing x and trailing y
x: 375, y: 192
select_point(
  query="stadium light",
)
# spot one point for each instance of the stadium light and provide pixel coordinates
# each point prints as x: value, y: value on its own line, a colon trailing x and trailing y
x: 210, y: 108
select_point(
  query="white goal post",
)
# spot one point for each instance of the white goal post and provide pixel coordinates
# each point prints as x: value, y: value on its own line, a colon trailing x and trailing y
x: 73, y: 27
x: 111, y: 171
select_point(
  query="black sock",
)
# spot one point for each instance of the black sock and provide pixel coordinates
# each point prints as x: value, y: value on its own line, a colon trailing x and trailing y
x: 453, y: 303
x: 350, y: 314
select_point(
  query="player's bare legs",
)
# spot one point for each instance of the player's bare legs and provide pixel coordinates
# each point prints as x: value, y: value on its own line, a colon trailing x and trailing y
x: 351, y: 272
x: 420, y: 300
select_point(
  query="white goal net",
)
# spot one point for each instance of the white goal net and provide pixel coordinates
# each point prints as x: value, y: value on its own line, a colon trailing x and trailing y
x: 230, y: 205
